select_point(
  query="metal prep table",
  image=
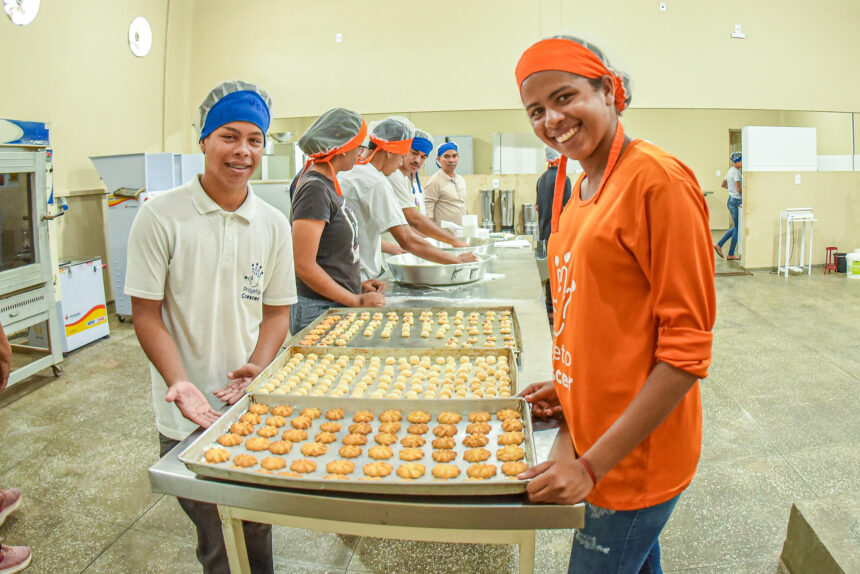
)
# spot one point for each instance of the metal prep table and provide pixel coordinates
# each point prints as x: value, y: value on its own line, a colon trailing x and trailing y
x: 478, y: 519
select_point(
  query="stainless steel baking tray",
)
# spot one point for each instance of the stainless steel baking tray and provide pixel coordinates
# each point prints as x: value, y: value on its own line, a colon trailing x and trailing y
x: 478, y: 246
x: 415, y: 340
x: 193, y: 456
x: 412, y: 270
x: 265, y: 376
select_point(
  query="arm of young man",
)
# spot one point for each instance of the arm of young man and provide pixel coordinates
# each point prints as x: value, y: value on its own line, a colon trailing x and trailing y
x: 149, y: 255
x: 411, y: 242
x: 429, y: 228
x: 160, y: 349
x: 274, y: 329
x: 392, y: 248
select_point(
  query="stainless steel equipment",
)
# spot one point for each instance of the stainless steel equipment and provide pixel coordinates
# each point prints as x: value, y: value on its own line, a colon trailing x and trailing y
x: 193, y: 456
x: 26, y: 277
x: 530, y: 221
x: 506, y: 202
x: 488, y: 209
x: 477, y: 245
x: 411, y: 269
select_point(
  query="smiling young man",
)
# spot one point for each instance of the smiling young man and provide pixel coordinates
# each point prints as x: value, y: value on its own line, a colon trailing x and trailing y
x: 445, y: 192
x: 210, y: 273
x: 407, y: 190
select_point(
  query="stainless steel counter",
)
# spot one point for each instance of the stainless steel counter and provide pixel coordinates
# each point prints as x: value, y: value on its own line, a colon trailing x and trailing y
x: 519, y: 287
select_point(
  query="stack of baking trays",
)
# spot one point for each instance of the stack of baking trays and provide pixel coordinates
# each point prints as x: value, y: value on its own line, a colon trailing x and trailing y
x: 390, y: 406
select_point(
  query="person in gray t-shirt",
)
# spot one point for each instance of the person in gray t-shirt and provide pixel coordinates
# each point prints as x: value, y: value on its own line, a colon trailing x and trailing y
x: 734, y: 183
x: 325, y: 230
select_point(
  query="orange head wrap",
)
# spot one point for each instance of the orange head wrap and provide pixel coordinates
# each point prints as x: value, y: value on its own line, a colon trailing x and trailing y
x: 560, y: 54
x: 326, y: 156
x: 399, y: 147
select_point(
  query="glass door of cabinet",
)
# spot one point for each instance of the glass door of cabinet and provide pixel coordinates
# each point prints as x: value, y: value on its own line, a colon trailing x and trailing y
x: 17, y: 238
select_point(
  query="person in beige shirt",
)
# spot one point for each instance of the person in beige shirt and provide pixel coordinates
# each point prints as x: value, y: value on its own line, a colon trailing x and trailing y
x: 445, y: 192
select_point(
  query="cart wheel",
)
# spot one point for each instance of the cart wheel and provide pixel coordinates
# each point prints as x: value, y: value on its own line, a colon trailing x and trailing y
x: 58, y: 370
x: 121, y: 318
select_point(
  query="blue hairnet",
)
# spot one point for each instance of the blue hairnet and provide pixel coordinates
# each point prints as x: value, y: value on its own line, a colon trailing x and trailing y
x: 422, y: 142
x: 234, y: 101
x: 447, y: 146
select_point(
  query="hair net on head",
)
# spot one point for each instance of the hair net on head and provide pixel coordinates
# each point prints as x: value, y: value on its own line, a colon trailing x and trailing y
x: 393, y: 134
x: 331, y: 130
x: 736, y: 157
x: 234, y: 101
x: 335, y: 132
x: 551, y: 154
x: 422, y: 142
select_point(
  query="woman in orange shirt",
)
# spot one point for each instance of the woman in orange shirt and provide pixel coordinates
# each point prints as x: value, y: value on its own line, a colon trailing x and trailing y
x: 631, y: 272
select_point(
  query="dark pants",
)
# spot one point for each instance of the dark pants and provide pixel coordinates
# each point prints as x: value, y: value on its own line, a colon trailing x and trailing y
x: 211, y: 551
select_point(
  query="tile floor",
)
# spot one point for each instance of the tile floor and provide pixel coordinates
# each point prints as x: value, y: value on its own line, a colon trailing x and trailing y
x: 780, y: 424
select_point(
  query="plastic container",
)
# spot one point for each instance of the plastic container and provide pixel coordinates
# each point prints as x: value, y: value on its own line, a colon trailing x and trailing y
x: 840, y: 262
x: 852, y: 264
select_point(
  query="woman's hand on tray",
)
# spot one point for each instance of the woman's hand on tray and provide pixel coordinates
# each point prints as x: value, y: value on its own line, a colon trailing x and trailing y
x: 543, y: 399
x: 191, y: 403
x: 467, y: 257
x: 373, y: 286
x: 562, y: 481
x: 372, y: 299
x: 239, y: 381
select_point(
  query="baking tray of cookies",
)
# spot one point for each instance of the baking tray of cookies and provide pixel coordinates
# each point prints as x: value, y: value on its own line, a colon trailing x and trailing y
x: 390, y: 373
x: 429, y: 327
x: 358, y: 445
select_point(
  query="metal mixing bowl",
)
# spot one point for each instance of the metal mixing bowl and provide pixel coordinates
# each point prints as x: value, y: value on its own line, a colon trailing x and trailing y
x: 411, y: 269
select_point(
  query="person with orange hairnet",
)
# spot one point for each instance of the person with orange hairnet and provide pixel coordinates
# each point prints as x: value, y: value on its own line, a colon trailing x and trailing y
x: 632, y: 278
x: 325, y: 230
x: 370, y: 196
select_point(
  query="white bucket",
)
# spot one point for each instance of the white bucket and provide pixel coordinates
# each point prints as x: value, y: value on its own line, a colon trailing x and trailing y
x: 852, y: 264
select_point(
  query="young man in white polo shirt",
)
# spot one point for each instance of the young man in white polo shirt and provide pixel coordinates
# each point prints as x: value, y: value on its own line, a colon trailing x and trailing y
x: 210, y: 273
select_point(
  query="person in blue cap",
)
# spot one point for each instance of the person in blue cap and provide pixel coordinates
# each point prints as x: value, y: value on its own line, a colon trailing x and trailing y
x: 445, y: 192
x: 734, y: 184
x: 406, y: 183
x: 211, y: 280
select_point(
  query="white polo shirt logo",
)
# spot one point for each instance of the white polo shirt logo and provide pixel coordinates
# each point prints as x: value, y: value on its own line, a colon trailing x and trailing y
x: 253, y: 289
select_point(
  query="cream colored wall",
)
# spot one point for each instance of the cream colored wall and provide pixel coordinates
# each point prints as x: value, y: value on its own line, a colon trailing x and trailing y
x: 409, y: 56
x: 72, y: 67
x: 832, y: 195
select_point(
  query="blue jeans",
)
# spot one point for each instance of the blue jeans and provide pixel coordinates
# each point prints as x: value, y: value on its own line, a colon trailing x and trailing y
x: 306, y: 309
x: 734, y: 206
x: 620, y: 541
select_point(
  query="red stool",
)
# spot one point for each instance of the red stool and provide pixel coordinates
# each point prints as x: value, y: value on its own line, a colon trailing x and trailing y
x: 830, y: 259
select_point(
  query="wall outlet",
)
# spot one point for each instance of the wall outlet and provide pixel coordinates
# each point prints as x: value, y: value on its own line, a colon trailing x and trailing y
x: 718, y: 173
x: 495, y: 184
x: 338, y: 37
x: 797, y: 179
x: 662, y: 6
